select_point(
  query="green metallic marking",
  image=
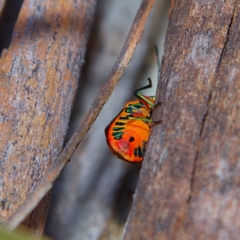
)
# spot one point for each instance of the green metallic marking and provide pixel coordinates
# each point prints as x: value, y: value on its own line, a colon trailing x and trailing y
x: 128, y: 110
x: 118, y: 128
x: 145, y: 99
x: 119, y: 123
x: 142, y: 119
x: 117, y: 134
x: 138, y: 105
x: 118, y: 137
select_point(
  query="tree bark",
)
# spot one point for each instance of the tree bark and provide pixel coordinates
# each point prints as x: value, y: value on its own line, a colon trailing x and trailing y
x: 189, y: 181
x: 38, y: 81
x: 96, y: 184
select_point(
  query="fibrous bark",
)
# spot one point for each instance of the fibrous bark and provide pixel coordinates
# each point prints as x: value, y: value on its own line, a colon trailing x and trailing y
x: 189, y: 182
x: 38, y: 80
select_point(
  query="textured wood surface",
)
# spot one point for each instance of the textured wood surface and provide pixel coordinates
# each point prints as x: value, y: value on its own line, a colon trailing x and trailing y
x: 96, y: 184
x: 134, y: 37
x: 38, y: 80
x: 189, y: 182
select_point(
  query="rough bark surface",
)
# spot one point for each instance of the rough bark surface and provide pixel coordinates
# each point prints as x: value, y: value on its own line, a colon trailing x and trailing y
x: 96, y: 184
x: 189, y: 182
x: 38, y: 80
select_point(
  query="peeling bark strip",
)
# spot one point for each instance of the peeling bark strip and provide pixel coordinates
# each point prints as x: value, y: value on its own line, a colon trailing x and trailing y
x: 134, y: 37
x: 189, y: 182
x: 38, y: 80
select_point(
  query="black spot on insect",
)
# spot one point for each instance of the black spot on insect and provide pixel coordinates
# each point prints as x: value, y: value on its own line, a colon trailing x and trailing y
x: 119, y: 123
x: 118, y: 128
x: 139, y: 150
x: 135, y: 152
x: 131, y: 139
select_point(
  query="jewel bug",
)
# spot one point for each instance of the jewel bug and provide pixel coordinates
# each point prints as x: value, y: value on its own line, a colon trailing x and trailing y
x: 128, y: 133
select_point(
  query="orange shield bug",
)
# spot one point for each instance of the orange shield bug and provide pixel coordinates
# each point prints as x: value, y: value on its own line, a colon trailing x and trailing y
x: 128, y: 132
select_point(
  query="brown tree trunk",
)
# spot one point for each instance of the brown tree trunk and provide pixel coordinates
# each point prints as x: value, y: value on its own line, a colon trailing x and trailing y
x: 38, y: 81
x: 189, y: 182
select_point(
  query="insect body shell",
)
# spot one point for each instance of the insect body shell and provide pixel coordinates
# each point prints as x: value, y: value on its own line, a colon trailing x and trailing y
x: 127, y: 137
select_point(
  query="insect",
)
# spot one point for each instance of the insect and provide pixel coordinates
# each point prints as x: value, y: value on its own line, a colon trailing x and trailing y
x: 128, y: 132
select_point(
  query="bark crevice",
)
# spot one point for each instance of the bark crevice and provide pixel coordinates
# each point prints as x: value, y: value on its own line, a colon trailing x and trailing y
x: 226, y: 41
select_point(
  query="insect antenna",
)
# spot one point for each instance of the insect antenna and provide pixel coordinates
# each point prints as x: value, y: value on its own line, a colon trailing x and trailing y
x: 143, y: 98
x: 136, y: 92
